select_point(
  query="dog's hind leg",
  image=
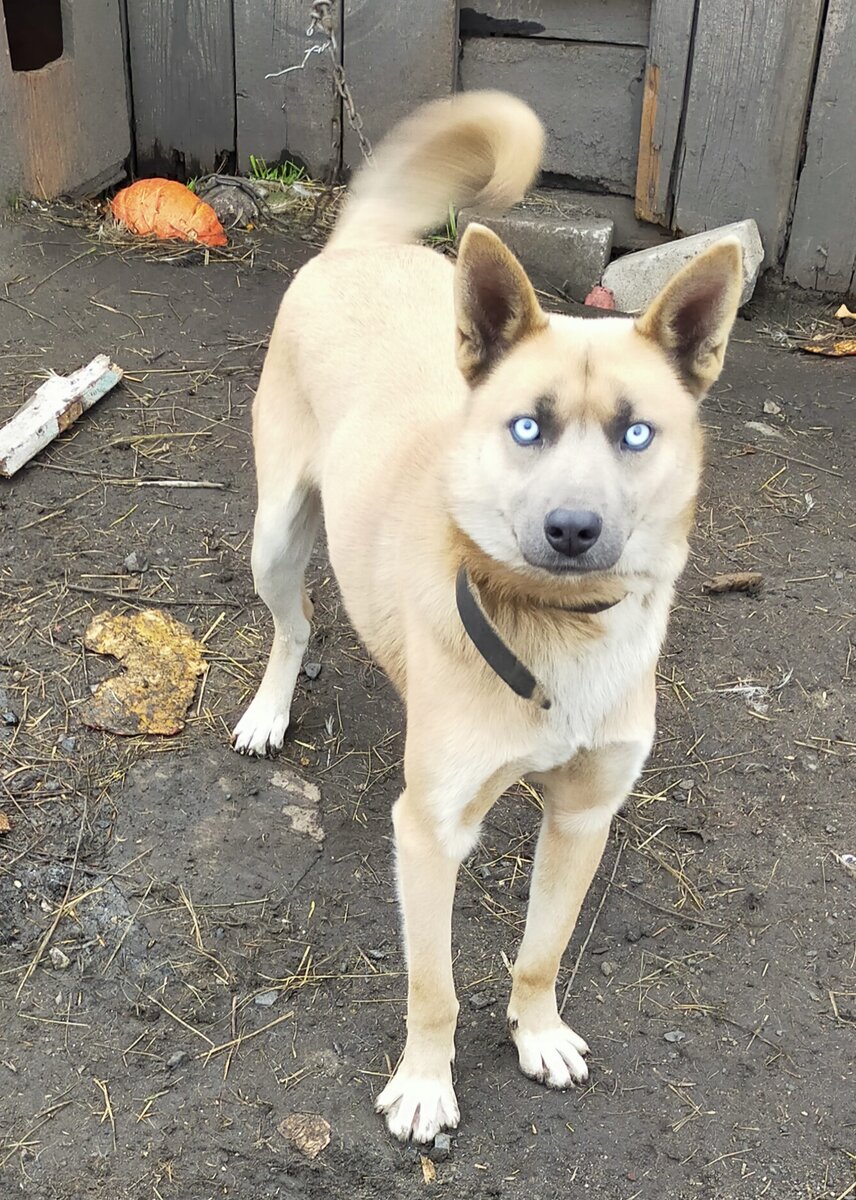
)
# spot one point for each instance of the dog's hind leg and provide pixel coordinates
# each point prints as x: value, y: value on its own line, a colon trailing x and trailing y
x: 580, y: 800
x: 287, y: 520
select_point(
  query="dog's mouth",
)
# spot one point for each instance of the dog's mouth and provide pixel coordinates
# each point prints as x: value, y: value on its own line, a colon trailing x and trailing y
x: 600, y: 560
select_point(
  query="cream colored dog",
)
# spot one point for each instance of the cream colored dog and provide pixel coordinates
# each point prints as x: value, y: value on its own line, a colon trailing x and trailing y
x: 507, y: 497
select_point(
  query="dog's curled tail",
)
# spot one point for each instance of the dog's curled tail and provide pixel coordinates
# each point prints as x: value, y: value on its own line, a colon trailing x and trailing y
x: 478, y: 148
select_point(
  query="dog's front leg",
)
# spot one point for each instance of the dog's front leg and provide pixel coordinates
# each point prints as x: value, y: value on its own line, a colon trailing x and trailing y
x: 579, y: 802
x: 419, y: 1100
x: 436, y: 822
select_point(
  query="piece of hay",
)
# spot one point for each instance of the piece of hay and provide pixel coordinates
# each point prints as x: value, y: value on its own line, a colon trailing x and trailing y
x: 162, y: 663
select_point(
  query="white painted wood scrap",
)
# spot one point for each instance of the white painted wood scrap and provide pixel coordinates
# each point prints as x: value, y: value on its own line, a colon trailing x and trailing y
x: 51, y: 409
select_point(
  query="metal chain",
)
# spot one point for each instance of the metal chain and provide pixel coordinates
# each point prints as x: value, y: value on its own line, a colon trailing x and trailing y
x: 321, y: 21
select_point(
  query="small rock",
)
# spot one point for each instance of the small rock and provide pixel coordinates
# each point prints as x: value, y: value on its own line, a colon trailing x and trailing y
x: 176, y: 1059
x: 10, y: 718
x: 266, y: 999
x: 607, y: 969
x: 68, y: 744
x: 675, y: 1035
x: 686, y: 785
x: 136, y: 563
x: 442, y: 1148
x: 771, y: 408
x: 482, y: 1000
x: 61, y: 962
x: 312, y: 670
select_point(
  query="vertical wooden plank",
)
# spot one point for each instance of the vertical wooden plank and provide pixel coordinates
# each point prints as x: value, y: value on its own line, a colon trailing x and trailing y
x: 397, y: 55
x: 822, y: 250
x: 296, y: 116
x: 751, y: 76
x: 183, y: 73
x: 669, y: 46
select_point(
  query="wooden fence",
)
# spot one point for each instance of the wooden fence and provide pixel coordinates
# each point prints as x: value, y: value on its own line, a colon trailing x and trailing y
x: 694, y: 113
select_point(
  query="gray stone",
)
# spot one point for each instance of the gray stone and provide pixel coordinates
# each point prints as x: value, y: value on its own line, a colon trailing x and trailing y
x: 562, y: 252
x: 61, y: 962
x: 442, y: 1148
x: 136, y: 563
x: 635, y: 279
x: 266, y: 999
x: 312, y: 670
x: 176, y: 1059
x: 480, y: 1000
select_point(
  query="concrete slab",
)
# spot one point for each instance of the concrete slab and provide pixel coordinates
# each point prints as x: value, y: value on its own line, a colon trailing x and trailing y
x: 562, y: 252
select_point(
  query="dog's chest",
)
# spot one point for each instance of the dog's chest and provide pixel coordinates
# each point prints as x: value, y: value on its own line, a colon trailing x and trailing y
x: 594, y: 694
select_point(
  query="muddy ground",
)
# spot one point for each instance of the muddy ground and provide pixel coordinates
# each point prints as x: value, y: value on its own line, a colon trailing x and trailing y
x: 230, y: 941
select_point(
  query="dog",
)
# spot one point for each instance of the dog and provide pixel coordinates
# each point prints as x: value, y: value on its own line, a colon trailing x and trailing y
x: 507, y: 498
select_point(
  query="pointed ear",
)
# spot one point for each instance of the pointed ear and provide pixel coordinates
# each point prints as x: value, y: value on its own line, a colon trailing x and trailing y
x: 495, y: 304
x: 692, y: 316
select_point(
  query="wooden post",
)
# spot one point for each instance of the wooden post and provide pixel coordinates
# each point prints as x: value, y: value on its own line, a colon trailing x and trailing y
x: 822, y: 251
x: 669, y: 47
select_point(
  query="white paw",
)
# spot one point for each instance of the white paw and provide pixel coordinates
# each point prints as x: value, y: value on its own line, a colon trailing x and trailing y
x: 261, y: 729
x: 419, y: 1106
x: 553, y: 1056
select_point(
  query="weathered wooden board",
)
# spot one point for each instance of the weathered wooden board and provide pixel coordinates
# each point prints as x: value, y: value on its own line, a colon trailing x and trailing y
x: 822, y: 251
x: 751, y: 77
x: 64, y: 128
x: 662, y: 106
x: 183, y: 72
x: 397, y: 55
x: 623, y: 22
x: 296, y: 116
x: 588, y: 96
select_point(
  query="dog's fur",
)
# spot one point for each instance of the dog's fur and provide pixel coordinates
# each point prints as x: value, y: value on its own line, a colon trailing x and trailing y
x: 387, y: 394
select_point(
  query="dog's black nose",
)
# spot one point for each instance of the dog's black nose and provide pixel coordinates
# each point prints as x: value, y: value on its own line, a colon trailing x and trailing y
x: 572, y: 531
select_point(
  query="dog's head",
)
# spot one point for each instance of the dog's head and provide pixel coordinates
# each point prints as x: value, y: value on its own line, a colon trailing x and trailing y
x: 581, y: 448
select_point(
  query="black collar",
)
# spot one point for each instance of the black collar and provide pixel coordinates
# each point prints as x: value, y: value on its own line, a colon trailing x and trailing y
x: 493, y: 649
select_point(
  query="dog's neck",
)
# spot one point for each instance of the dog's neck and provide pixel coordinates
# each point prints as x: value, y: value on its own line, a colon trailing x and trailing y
x: 510, y: 594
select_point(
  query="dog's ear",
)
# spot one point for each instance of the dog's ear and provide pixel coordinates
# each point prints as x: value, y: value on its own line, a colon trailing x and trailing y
x: 692, y: 316
x: 495, y: 304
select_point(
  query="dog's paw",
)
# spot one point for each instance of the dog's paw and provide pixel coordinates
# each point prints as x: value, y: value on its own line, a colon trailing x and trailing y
x: 419, y: 1106
x: 553, y: 1056
x: 261, y: 730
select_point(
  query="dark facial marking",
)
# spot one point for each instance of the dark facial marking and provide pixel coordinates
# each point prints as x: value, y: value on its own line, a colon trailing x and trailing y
x: 547, y: 418
x: 621, y: 420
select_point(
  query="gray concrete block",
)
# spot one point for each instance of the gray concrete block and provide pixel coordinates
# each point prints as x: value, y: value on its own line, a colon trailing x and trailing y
x: 635, y: 279
x: 565, y: 253
x: 629, y: 234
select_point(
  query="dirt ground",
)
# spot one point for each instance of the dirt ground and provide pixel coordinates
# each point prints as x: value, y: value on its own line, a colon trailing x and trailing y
x: 231, y: 940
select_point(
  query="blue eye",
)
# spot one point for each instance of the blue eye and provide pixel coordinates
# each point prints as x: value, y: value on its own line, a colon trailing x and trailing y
x: 525, y: 431
x: 638, y: 436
